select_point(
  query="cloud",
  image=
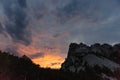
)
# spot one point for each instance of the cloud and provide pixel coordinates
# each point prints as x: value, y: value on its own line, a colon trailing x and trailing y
x: 37, y: 55
x: 88, y: 10
x: 16, y: 26
x: 53, y: 64
x: 22, y: 3
x: 1, y: 28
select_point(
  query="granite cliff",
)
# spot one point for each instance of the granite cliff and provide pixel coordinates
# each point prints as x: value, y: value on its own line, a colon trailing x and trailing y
x: 98, y: 60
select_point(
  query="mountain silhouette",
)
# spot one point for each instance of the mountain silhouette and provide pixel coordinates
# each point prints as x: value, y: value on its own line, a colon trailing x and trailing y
x: 95, y: 62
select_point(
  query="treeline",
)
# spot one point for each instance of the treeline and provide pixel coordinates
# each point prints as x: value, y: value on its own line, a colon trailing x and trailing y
x: 22, y: 68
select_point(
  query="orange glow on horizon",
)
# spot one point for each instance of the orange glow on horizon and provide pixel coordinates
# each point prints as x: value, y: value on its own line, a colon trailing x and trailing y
x: 49, y: 61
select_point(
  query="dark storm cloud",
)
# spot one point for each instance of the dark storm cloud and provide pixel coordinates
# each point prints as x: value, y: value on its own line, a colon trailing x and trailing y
x: 16, y: 26
x: 36, y: 55
x: 93, y: 10
x: 22, y: 3
x: 1, y: 28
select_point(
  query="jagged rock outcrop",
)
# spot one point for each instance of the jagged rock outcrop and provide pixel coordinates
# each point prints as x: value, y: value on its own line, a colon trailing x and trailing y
x: 100, y: 60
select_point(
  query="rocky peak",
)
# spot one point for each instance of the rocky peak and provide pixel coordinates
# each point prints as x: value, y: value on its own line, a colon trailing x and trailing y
x: 78, y: 48
x: 97, y: 57
x: 105, y: 50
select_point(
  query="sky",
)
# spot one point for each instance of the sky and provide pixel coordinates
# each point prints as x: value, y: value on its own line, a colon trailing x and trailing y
x: 43, y: 29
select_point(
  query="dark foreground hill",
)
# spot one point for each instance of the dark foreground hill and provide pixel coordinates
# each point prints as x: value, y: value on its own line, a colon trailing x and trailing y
x: 22, y: 68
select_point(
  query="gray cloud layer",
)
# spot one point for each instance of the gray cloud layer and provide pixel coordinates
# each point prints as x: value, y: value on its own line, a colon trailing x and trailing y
x: 60, y: 22
x: 16, y: 26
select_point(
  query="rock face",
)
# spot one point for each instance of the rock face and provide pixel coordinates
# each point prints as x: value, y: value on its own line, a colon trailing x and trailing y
x: 100, y: 60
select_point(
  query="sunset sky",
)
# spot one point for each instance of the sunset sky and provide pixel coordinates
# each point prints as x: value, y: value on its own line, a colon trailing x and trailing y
x: 43, y: 29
